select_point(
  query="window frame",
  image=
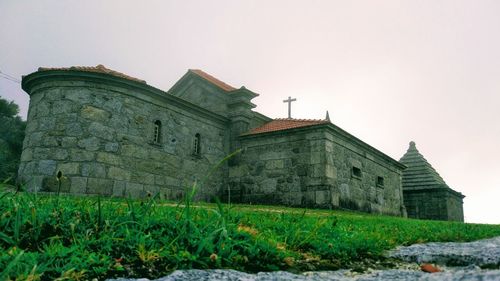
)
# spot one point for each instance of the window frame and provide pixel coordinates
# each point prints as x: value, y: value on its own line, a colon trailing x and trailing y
x: 157, y: 132
x: 380, y: 182
x: 356, y: 172
x: 197, y: 145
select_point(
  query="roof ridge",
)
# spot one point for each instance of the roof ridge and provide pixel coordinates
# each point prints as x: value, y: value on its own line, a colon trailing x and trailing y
x: 98, y: 69
x: 280, y: 124
x: 300, y: 120
x: 217, y: 82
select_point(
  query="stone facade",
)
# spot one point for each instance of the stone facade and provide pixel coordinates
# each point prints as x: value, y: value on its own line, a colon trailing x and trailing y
x: 313, y: 166
x: 434, y: 204
x: 98, y: 131
x: 114, y: 135
x: 426, y: 194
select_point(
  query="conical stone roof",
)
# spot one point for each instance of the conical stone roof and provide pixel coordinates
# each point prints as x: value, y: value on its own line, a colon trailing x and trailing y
x: 419, y: 174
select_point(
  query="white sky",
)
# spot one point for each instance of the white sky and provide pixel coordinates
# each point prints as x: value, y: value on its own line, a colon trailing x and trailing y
x: 387, y: 71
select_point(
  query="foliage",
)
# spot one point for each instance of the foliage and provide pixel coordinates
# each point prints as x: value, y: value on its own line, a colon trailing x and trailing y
x: 69, y: 238
x: 11, y: 139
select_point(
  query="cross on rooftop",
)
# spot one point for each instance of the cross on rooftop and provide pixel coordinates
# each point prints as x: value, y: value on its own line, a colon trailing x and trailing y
x: 289, y: 101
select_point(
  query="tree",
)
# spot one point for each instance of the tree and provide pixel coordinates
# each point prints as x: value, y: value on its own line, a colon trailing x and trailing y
x: 11, y: 139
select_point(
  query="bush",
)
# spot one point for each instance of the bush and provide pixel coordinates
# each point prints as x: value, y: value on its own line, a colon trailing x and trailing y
x: 11, y: 139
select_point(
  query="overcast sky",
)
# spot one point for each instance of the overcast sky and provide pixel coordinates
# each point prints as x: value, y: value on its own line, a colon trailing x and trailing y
x: 387, y: 71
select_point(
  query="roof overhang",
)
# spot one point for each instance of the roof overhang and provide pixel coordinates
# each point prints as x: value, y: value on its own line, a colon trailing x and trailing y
x: 39, y: 77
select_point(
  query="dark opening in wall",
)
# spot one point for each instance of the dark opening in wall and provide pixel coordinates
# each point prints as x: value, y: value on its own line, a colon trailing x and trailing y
x: 197, y: 144
x: 356, y: 172
x: 157, y: 132
x: 380, y: 181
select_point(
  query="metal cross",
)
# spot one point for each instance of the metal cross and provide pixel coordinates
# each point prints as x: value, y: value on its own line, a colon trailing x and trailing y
x: 289, y: 101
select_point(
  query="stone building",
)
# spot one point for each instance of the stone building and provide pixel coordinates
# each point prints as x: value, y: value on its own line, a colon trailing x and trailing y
x: 426, y: 194
x: 314, y: 163
x: 111, y: 134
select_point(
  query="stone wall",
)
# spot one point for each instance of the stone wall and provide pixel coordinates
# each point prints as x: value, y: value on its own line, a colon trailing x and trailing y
x: 99, y: 134
x: 278, y: 170
x: 434, y: 204
x: 455, y: 206
x: 364, y: 191
x: 312, y: 167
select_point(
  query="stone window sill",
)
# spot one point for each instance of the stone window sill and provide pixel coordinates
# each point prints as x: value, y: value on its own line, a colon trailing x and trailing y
x: 356, y: 177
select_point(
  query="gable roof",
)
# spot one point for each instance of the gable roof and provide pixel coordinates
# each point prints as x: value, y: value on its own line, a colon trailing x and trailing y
x: 213, y: 80
x: 285, y: 124
x: 98, y: 69
x: 419, y: 174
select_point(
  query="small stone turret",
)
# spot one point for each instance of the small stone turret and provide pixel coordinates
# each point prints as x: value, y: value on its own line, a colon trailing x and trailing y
x: 240, y: 114
x: 426, y: 195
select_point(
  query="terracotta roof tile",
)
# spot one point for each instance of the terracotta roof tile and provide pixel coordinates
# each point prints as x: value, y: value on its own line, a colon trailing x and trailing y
x: 99, y: 69
x: 285, y: 124
x: 213, y: 80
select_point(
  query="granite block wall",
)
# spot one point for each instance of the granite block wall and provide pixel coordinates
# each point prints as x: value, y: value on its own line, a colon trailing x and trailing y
x: 455, y: 206
x: 313, y: 168
x: 278, y: 170
x: 361, y: 180
x: 100, y: 136
x: 434, y: 204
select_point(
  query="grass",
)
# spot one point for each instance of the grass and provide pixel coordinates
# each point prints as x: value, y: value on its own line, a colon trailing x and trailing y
x: 71, y: 238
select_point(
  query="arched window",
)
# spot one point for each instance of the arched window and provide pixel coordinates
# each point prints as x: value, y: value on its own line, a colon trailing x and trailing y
x: 197, y: 144
x: 157, y: 132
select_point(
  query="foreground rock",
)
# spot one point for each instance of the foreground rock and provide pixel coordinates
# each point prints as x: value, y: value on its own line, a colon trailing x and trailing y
x: 471, y: 257
x: 483, y: 253
x: 232, y: 275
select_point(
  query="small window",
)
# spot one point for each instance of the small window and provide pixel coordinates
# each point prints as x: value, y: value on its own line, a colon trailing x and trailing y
x: 380, y: 181
x: 356, y: 172
x: 157, y: 132
x: 197, y: 144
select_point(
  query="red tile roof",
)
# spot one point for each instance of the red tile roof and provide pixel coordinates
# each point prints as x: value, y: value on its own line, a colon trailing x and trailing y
x: 285, y: 124
x: 99, y: 69
x: 213, y: 80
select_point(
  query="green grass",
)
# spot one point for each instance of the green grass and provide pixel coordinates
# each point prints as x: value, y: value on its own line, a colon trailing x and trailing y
x: 71, y: 238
